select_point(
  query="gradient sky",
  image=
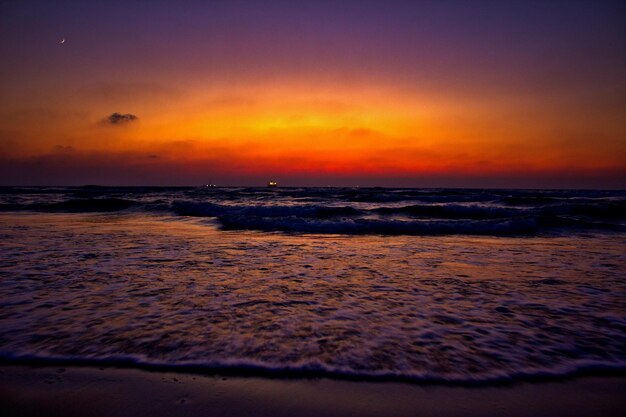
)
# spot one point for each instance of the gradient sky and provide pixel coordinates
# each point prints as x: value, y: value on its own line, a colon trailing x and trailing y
x: 430, y: 93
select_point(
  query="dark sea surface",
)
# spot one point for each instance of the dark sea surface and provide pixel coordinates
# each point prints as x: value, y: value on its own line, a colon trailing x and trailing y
x: 431, y: 285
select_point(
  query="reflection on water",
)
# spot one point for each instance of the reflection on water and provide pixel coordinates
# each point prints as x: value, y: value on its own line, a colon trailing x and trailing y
x: 167, y: 289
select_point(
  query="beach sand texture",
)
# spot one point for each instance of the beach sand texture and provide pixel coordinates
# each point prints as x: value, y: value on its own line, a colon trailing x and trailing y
x: 55, y: 391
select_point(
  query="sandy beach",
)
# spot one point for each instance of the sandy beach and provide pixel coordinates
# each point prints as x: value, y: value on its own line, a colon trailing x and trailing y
x: 83, y: 391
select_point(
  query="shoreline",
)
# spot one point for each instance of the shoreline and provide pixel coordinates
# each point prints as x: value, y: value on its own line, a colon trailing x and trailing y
x: 97, y: 391
x: 257, y: 370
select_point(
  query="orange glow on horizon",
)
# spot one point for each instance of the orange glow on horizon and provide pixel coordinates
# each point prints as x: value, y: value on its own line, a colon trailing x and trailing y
x: 307, y: 130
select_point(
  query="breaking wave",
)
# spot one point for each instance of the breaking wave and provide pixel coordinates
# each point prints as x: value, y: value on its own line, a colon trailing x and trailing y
x: 316, y: 369
x: 215, y: 210
x: 347, y: 211
x: 376, y: 226
x: 81, y: 205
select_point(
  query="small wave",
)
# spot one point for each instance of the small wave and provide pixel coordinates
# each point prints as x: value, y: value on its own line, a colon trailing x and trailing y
x: 315, y: 369
x: 93, y: 205
x: 529, y: 200
x: 75, y: 205
x: 605, y: 210
x: 383, y: 227
x: 417, y: 219
x: 552, y: 222
x: 453, y: 211
x: 203, y: 209
x: 430, y: 196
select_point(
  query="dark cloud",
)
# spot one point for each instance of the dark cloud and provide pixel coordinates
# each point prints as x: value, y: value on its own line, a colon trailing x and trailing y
x: 119, y: 119
x: 64, y: 148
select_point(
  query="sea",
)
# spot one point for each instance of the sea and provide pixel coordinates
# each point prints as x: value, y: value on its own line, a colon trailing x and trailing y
x: 418, y: 285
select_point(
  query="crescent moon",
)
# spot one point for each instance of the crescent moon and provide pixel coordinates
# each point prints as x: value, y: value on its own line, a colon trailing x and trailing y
x: 62, y: 41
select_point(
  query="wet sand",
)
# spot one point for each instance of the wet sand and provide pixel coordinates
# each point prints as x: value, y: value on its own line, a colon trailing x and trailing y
x: 78, y: 391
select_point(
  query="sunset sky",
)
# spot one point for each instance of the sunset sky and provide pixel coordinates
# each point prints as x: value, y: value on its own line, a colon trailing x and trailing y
x: 391, y: 93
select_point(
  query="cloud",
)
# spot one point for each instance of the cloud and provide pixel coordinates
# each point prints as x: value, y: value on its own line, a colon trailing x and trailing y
x: 120, y: 119
x: 64, y: 148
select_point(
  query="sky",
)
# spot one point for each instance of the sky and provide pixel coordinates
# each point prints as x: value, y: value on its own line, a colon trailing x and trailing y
x: 528, y: 94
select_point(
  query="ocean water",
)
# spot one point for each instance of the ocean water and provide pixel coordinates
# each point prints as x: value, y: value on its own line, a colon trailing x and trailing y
x: 408, y: 284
